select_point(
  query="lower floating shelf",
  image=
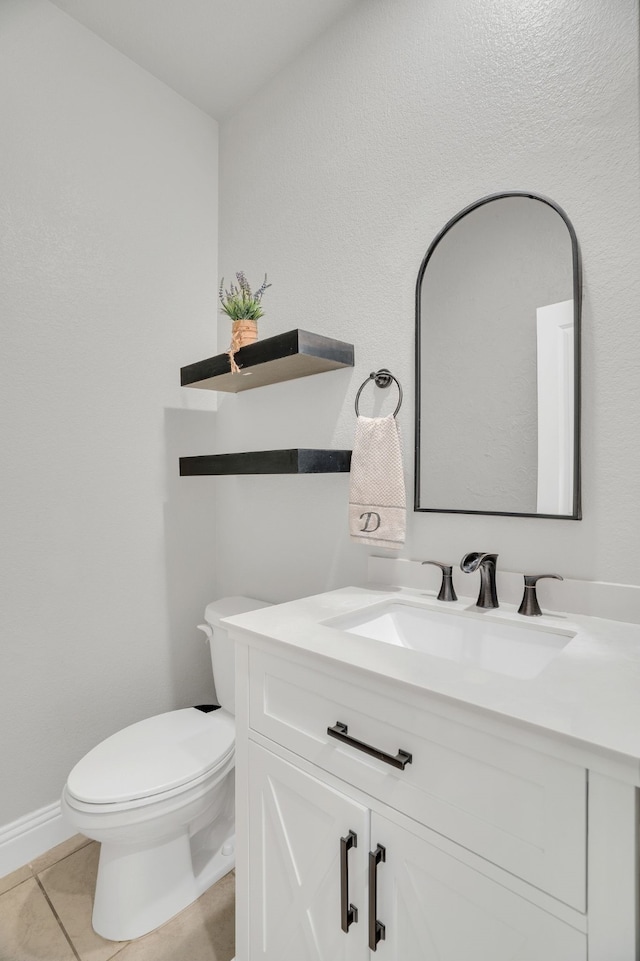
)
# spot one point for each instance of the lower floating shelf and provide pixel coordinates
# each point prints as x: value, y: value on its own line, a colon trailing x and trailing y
x: 296, y: 460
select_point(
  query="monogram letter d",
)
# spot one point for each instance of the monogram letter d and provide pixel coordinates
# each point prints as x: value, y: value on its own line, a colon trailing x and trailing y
x: 371, y: 519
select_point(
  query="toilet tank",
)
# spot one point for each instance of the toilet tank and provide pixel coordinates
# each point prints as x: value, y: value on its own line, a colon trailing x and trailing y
x: 222, y: 648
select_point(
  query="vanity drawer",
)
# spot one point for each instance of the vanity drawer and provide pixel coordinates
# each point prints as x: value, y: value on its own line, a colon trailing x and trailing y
x: 518, y: 808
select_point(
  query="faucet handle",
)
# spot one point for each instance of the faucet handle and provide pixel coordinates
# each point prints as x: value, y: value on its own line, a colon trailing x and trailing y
x: 447, y: 592
x: 529, y: 605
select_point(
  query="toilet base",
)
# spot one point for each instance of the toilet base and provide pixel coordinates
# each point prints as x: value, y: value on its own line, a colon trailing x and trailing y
x: 140, y: 888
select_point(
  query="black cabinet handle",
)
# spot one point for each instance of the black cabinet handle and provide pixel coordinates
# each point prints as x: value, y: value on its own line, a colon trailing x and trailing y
x: 348, y: 912
x: 340, y: 732
x: 377, y: 930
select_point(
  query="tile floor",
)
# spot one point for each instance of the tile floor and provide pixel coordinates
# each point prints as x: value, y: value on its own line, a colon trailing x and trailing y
x: 45, y: 915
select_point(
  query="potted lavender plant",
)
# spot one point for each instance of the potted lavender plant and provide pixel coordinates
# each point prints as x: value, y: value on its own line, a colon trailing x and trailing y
x: 244, y: 308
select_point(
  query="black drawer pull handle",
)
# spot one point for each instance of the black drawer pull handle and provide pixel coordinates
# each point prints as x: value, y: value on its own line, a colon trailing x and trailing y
x: 377, y: 930
x: 340, y: 732
x: 348, y: 912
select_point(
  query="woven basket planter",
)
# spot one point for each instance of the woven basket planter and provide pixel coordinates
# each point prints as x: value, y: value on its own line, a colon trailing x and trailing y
x: 243, y: 333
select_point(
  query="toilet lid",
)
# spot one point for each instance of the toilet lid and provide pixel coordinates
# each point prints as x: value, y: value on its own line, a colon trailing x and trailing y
x: 154, y: 756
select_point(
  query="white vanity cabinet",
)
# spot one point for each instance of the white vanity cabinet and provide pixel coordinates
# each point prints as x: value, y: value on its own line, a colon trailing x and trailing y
x: 463, y: 837
x: 415, y: 902
x: 437, y: 908
x: 296, y: 827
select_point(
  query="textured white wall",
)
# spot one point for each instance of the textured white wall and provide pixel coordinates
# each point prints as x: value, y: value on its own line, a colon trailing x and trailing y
x: 108, y: 249
x: 335, y: 179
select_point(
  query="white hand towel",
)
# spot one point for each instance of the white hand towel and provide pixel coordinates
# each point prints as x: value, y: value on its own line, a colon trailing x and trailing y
x: 377, y: 501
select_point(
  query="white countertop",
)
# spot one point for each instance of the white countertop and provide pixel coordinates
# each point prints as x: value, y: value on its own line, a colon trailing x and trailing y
x: 589, y: 692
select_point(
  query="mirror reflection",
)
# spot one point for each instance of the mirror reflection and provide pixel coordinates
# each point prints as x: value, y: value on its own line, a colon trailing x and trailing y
x: 497, y: 340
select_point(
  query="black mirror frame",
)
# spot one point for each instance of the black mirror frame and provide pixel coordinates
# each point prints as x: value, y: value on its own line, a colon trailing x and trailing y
x: 577, y: 314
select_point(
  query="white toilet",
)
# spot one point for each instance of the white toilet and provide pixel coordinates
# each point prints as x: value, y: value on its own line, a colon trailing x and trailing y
x: 159, y: 795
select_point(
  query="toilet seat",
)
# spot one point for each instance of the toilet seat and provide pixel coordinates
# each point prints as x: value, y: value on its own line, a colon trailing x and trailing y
x: 156, y: 756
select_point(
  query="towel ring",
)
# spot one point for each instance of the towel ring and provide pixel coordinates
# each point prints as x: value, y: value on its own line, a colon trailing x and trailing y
x: 381, y: 378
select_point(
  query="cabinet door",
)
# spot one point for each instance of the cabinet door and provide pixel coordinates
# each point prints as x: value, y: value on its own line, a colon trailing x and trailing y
x: 436, y: 908
x: 296, y: 884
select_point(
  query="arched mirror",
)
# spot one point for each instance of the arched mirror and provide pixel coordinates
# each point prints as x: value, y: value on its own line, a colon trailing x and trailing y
x: 498, y: 362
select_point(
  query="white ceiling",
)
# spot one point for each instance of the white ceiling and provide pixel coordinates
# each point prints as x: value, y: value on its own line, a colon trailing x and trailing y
x: 216, y: 53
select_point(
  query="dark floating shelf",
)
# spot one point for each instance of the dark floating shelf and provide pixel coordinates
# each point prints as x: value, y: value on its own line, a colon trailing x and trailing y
x: 292, y: 461
x: 297, y: 353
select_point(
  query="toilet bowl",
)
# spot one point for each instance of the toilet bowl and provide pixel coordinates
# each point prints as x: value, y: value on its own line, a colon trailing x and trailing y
x: 159, y: 796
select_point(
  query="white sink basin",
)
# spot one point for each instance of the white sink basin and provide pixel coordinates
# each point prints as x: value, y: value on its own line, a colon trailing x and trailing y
x: 470, y: 638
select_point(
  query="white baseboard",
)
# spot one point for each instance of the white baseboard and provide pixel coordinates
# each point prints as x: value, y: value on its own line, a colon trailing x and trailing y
x: 30, y: 836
